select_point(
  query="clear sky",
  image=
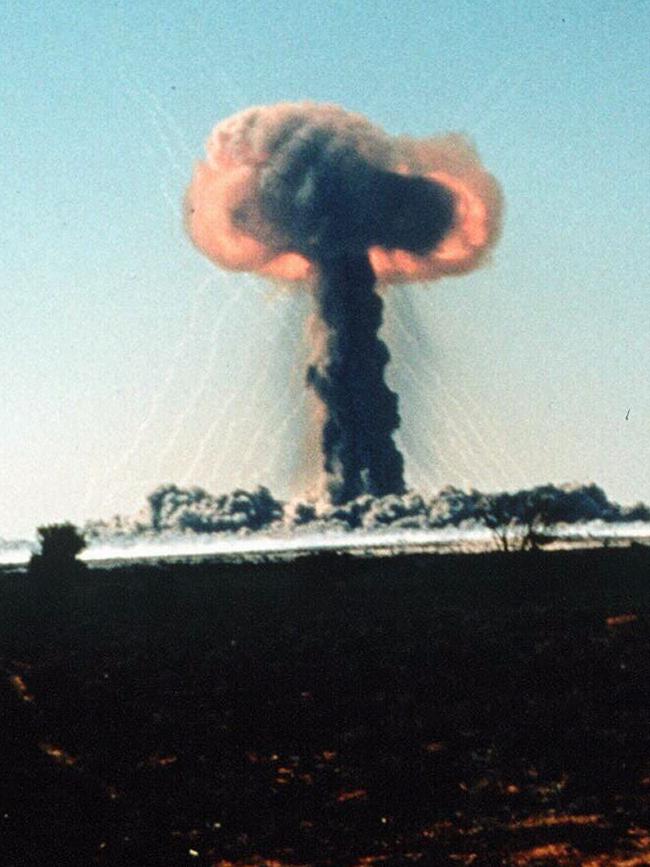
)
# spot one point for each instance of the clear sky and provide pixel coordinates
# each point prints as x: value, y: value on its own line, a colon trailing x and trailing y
x: 128, y: 360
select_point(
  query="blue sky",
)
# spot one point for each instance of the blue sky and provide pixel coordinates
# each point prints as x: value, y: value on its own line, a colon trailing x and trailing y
x: 128, y: 360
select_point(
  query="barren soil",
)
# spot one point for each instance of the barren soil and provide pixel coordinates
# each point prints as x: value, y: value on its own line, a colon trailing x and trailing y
x: 440, y: 709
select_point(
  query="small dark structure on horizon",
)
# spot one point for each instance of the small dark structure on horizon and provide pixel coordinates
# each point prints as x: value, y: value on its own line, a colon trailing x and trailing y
x: 60, y: 545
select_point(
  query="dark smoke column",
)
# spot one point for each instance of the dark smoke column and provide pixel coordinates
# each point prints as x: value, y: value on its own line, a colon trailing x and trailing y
x: 359, y: 455
x: 333, y: 207
x: 314, y: 194
x: 346, y: 211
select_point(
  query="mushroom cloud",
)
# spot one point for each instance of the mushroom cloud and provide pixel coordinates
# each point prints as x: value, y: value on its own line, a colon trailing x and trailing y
x: 313, y: 194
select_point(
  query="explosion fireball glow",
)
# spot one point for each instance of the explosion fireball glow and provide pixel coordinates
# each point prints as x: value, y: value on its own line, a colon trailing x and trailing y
x: 313, y: 194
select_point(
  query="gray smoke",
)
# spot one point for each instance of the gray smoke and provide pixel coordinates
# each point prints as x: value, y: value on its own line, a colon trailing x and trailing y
x: 171, y: 509
x: 331, y: 206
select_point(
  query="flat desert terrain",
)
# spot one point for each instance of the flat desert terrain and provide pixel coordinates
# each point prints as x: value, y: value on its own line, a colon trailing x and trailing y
x: 483, y: 709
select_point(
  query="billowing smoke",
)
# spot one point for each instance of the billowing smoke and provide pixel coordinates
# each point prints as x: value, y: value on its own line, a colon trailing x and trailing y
x: 180, y: 509
x: 172, y: 510
x: 312, y: 193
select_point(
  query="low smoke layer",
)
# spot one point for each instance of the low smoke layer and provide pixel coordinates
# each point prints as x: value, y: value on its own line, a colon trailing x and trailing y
x: 174, y: 510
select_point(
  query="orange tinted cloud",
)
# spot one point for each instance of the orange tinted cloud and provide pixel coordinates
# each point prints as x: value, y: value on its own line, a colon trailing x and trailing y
x: 225, y: 220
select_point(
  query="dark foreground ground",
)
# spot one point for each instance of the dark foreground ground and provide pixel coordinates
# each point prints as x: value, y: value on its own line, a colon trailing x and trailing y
x: 484, y: 710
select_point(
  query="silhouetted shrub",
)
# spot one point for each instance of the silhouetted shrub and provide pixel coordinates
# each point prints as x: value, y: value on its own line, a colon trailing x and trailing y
x: 60, y: 544
x: 519, y: 521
